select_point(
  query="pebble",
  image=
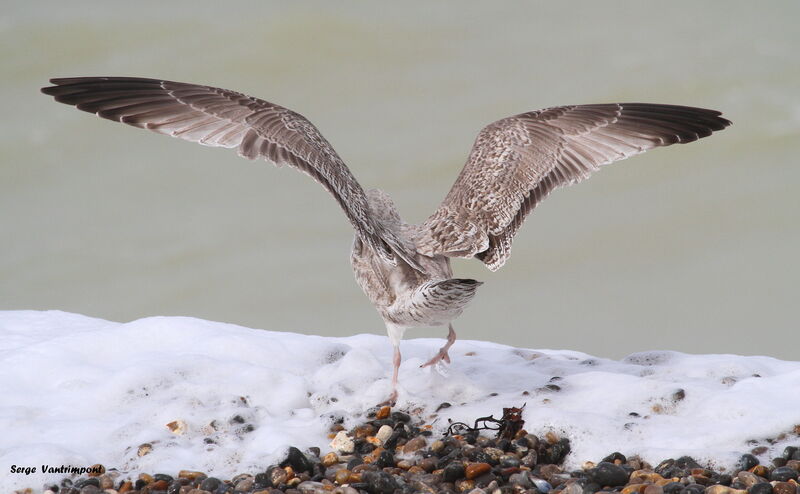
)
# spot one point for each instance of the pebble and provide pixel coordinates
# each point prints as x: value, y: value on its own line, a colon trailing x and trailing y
x: 474, y: 470
x: 761, y: 488
x: 415, y: 444
x: 609, y: 474
x: 784, y: 488
x: 453, y: 472
x: 384, y: 433
x: 783, y: 474
x: 343, y: 443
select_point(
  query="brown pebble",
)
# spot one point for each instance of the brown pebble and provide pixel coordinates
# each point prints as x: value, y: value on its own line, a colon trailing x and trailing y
x: 464, y: 485
x: 383, y: 413
x: 96, y: 470
x: 414, y: 444
x: 551, y: 437
x: 437, y: 446
x: 795, y: 464
x: 642, y: 476
x: 760, y: 470
x: 263, y: 491
x: 653, y: 489
x: 106, y: 482
x: 416, y: 469
x: 374, y: 441
x: 330, y: 459
x: 146, y: 477
x: 342, y: 476
x: 190, y: 474
x: 158, y: 485
x: 144, y: 449
x: 797, y: 429
x: 633, y: 488
x: 701, y: 479
x: 474, y: 470
x: 177, y: 427
x: 428, y: 464
x: 404, y: 464
x: 759, y: 450
x: 363, y: 431
x: 355, y: 477
x: 125, y: 487
x: 748, y: 479
x: 784, y: 488
x: 547, y: 471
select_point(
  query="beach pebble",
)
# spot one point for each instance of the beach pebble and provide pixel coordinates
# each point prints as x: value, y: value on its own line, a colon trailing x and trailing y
x: 343, y: 443
x: 609, y: 474
x: 474, y: 470
x: 783, y: 474
x: 384, y: 433
x: 784, y: 488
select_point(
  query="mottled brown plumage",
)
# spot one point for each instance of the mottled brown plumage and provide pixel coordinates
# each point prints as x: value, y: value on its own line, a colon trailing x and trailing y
x: 405, y: 269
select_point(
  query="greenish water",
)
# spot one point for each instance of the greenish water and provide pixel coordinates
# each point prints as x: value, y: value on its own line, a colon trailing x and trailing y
x: 692, y: 248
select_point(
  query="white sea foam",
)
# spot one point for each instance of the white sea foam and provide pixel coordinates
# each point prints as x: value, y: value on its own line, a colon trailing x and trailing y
x: 79, y: 391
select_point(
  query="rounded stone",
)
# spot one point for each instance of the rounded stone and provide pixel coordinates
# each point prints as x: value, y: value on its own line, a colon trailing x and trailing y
x: 672, y: 487
x: 749, y: 479
x: 277, y: 476
x: 520, y: 479
x: 653, y: 489
x: 748, y: 461
x: 342, y: 443
x: 453, y: 472
x: 415, y: 444
x: 474, y: 470
x: 784, y: 488
x: 783, y: 474
x: 608, y: 474
x: 693, y: 489
x: 761, y: 488
x: 297, y: 460
x: 210, y: 484
x: 384, y: 433
x: 380, y: 482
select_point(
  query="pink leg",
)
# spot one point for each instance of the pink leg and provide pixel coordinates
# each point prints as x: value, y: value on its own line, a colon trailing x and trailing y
x: 393, y: 397
x: 442, y: 354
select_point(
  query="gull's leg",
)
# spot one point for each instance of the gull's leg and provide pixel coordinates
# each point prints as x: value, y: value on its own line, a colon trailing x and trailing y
x: 442, y: 354
x: 396, y: 361
x: 395, y: 335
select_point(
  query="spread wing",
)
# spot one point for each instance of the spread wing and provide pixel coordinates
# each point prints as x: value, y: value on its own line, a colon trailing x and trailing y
x: 222, y: 118
x: 517, y: 161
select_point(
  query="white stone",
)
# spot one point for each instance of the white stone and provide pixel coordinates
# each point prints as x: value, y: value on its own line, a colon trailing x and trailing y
x: 343, y: 443
x: 384, y: 433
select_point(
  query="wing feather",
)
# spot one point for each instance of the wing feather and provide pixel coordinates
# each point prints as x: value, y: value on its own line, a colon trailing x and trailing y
x: 218, y: 117
x: 517, y: 161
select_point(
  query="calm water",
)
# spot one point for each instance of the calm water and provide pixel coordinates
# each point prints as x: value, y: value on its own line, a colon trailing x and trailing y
x: 693, y: 248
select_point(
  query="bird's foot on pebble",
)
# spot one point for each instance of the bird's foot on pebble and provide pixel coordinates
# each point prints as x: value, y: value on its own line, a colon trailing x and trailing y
x: 391, y: 401
x: 441, y: 356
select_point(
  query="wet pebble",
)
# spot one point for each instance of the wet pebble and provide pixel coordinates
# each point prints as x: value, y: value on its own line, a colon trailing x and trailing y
x: 609, y: 474
x: 783, y: 474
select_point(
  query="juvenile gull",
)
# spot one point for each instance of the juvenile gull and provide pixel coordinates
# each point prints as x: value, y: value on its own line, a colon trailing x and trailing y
x: 405, y: 269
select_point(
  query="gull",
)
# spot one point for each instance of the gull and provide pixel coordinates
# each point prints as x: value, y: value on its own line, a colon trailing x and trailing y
x: 404, y: 269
